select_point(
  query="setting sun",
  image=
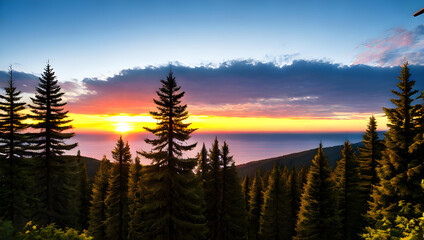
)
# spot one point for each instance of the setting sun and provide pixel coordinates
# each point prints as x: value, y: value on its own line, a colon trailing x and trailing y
x: 123, y: 127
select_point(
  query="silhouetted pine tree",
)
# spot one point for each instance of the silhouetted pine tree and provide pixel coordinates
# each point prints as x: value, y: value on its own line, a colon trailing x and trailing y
x: 117, y: 193
x: 14, y: 177
x: 84, y: 192
x: 401, y: 171
x: 233, y: 211
x: 203, y: 166
x: 173, y: 208
x: 294, y: 193
x: 133, y: 195
x: 346, y: 177
x: 137, y: 219
x: 317, y: 216
x: 56, y: 176
x: 302, y: 177
x: 255, y: 206
x: 213, y: 192
x: 245, y: 188
x: 275, y: 216
x: 96, y: 226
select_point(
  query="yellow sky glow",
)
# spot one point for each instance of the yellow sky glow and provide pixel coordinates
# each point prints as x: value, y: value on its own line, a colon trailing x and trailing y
x: 135, y: 123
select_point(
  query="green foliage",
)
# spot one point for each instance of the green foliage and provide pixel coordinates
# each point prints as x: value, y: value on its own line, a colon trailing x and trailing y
x: 56, y: 176
x: 346, y: 178
x: 294, y: 188
x: 134, y: 196
x: 245, y: 188
x: 7, y: 230
x: 276, y: 215
x: 14, y: 176
x: 51, y: 231
x: 255, y: 206
x: 173, y: 201
x: 84, y: 192
x: 317, y: 216
x: 401, y: 170
x: 97, y: 216
x: 233, y: 211
x: 213, y: 192
x: 117, y: 193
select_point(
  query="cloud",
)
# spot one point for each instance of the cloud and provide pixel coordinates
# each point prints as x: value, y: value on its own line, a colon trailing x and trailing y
x: 392, y: 48
x: 249, y: 88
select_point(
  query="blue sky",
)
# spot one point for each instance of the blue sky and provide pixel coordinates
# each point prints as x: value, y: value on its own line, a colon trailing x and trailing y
x: 86, y: 39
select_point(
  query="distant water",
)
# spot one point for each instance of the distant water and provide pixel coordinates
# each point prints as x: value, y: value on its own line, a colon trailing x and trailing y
x: 244, y: 147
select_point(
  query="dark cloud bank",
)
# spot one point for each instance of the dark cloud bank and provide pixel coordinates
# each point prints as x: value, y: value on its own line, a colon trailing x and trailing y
x: 243, y: 88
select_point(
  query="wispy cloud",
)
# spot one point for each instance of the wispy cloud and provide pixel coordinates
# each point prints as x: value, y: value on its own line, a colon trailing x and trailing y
x: 391, y: 49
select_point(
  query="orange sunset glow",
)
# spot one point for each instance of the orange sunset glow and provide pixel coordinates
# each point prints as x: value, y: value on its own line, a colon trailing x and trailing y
x: 85, y: 123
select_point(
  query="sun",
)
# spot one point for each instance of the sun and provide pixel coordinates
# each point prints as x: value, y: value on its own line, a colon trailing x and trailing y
x: 123, y: 127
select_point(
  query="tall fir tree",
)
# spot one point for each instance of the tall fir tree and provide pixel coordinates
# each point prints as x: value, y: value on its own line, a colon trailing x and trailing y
x: 97, y: 216
x: 294, y: 193
x: 401, y: 171
x: 233, y: 211
x: 117, y: 193
x: 245, y: 188
x: 255, y: 206
x: 346, y: 177
x: 55, y: 174
x: 14, y: 175
x: 173, y: 208
x: 134, y: 196
x: 302, y: 177
x: 275, y: 216
x: 203, y: 165
x: 84, y: 192
x: 317, y: 217
x: 213, y: 192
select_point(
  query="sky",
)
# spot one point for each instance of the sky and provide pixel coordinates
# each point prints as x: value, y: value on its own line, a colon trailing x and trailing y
x: 246, y: 66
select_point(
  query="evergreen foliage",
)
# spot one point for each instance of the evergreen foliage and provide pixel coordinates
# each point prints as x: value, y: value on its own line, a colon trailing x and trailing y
x: 346, y: 177
x: 401, y: 171
x: 97, y: 215
x: 317, y: 217
x: 275, y: 216
x: 117, y: 193
x: 133, y: 195
x: 245, y: 188
x: 56, y: 175
x: 14, y: 175
x: 233, y: 211
x: 255, y: 206
x: 84, y: 192
x: 203, y: 167
x: 173, y: 204
x: 294, y: 194
x: 213, y: 192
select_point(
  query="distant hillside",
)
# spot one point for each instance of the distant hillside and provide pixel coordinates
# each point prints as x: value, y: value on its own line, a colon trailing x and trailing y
x: 292, y: 160
x: 92, y: 165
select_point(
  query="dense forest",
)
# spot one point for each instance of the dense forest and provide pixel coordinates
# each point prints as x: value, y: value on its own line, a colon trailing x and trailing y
x: 373, y: 193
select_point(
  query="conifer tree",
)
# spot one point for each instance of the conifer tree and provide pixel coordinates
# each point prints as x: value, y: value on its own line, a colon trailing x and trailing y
x: 317, y: 215
x: 55, y: 174
x: 275, y: 217
x: 302, y: 177
x: 255, y: 206
x: 346, y: 177
x: 294, y: 194
x: 14, y: 181
x: 233, y: 211
x: 117, y: 193
x: 245, y: 188
x: 173, y: 208
x: 96, y: 226
x: 84, y: 192
x: 369, y: 156
x: 133, y: 195
x: 401, y: 171
x: 213, y: 192
x: 203, y: 167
